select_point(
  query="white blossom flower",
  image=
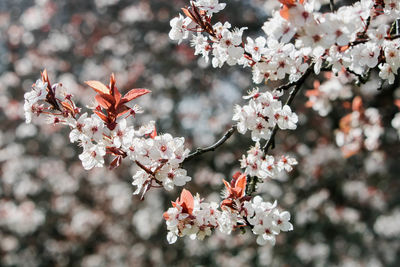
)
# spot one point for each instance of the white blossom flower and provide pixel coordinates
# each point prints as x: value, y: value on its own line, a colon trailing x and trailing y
x: 179, y: 27
x: 92, y: 156
x: 38, y: 92
x: 256, y: 47
x: 76, y: 133
x: 139, y: 179
x: 286, y: 119
x: 387, y: 73
x: 211, y: 6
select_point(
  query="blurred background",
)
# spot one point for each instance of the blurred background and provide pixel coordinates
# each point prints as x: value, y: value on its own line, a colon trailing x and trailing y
x: 346, y: 212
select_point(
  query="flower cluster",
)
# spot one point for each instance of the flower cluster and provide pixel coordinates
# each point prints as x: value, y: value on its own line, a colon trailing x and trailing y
x: 361, y: 128
x: 299, y: 39
x: 191, y: 216
x: 31, y: 106
x: 263, y: 112
x: 52, y: 211
x: 106, y: 131
x: 160, y: 158
x: 266, y: 220
x: 389, y: 68
x: 321, y: 96
x: 22, y: 219
x: 339, y: 40
x: 257, y: 164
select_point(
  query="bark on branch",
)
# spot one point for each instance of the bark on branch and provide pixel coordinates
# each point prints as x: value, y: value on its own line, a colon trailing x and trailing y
x: 220, y: 142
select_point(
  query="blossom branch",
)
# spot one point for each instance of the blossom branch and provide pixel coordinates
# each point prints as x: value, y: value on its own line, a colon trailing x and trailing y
x: 297, y: 84
x: 253, y: 180
x: 220, y: 142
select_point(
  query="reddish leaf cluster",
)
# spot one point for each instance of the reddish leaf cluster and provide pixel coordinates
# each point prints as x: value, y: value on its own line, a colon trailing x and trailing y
x: 186, y: 201
x: 236, y: 190
x: 112, y: 104
x: 67, y: 106
x: 200, y: 18
x: 51, y: 95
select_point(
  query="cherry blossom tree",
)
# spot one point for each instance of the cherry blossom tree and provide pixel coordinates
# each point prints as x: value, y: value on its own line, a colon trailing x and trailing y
x: 319, y: 50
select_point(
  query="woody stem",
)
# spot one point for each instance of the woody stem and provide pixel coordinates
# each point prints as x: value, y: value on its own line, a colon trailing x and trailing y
x: 220, y: 142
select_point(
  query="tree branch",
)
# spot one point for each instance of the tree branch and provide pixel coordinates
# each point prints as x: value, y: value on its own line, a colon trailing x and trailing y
x: 252, y: 181
x: 220, y: 142
x: 271, y: 141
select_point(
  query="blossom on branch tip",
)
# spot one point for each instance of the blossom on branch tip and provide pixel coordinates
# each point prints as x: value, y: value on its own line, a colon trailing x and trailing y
x: 92, y: 155
x: 257, y: 164
x: 191, y: 216
x: 110, y: 99
x: 256, y: 48
x: 211, y: 6
x: 261, y: 115
x: 179, y: 30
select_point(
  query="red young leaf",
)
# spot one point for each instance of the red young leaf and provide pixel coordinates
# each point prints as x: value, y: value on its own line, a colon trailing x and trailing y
x: 228, y: 186
x: 67, y: 106
x: 101, y: 115
x: 227, y: 202
x: 115, y: 151
x: 284, y: 12
x: 153, y: 133
x: 104, y: 101
x: 187, y: 198
x: 166, y: 216
x: 111, y: 125
x: 45, y: 77
x: 115, y: 163
x: 188, y: 14
x: 288, y: 3
x: 240, y: 185
x: 236, y: 175
x: 98, y: 87
x: 112, y: 81
x: 238, y: 190
x: 134, y: 93
x: 117, y: 96
x: 121, y: 110
x: 186, y: 201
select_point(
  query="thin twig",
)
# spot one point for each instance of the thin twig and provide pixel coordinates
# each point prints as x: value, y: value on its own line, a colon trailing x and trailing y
x: 332, y: 5
x: 252, y: 182
x: 361, y: 78
x: 144, y: 168
x: 221, y: 141
x: 297, y: 84
x: 285, y: 86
